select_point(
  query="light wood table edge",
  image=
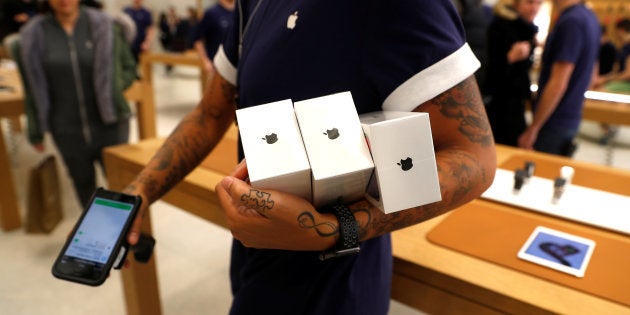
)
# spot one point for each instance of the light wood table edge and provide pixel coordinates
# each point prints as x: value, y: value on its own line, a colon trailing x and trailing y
x: 12, y: 107
x: 10, y: 218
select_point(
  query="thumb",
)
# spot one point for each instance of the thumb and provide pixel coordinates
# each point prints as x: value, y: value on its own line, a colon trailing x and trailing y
x: 226, y: 183
x: 136, y: 226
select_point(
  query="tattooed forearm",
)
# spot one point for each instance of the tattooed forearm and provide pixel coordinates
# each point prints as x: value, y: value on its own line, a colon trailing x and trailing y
x: 461, y: 179
x: 229, y: 93
x: 185, y: 148
x: 394, y: 221
x: 363, y: 216
x: 462, y: 103
x: 191, y: 141
x: 306, y: 220
x: 465, y: 158
x: 461, y: 175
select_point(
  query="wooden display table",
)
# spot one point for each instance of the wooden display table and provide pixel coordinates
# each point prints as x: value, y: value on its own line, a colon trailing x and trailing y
x: 439, y: 280
x: 606, y: 112
x: 10, y: 107
x: 429, y: 277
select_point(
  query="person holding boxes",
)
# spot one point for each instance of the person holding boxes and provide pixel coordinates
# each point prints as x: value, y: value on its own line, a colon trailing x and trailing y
x: 390, y: 55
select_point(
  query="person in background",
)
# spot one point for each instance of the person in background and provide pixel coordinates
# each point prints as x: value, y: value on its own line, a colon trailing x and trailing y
x: 511, y: 43
x: 623, y: 32
x: 14, y: 14
x: 168, y: 22
x: 210, y: 31
x: 390, y: 55
x: 619, y: 81
x: 607, y: 57
x: 144, y: 28
x: 75, y: 65
x: 568, y: 63
x: 607, y: 60
x: 190, y: 24
x: 174, y: 33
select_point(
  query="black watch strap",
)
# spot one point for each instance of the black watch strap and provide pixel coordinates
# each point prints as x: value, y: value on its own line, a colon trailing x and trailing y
x: 348, y: 242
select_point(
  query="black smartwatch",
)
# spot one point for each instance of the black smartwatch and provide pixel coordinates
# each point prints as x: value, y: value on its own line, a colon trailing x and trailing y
x: 348, y: 243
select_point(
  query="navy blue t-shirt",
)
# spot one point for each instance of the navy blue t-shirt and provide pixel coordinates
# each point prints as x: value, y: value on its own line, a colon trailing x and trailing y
x: 392, y: 55
x: 575, y: 39
x: 143, y: 19
x: 212, y: 28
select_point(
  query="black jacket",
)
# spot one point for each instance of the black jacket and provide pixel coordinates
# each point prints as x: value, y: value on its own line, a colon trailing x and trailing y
x: 503, y: 79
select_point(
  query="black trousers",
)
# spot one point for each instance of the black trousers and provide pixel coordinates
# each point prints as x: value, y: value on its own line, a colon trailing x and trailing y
x: 79, y: 157
x: 507, y: 119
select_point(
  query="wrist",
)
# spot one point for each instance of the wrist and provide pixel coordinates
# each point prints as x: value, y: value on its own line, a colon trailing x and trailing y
x: 534, y: 128
x: 348, y: 233
x: 135, y: 188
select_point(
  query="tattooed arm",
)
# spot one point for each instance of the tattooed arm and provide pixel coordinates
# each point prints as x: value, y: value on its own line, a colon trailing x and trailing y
x: 466, y: 162
x: 465, y: 156
x: 191, y: 141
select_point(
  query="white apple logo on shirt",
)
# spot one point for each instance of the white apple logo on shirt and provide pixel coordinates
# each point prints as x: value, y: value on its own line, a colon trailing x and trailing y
x: 292, y: 20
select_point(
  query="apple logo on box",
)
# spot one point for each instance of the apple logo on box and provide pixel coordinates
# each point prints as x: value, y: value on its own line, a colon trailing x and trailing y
x: 271, y: 139
x: 332, y: 133
x: 406, y: 164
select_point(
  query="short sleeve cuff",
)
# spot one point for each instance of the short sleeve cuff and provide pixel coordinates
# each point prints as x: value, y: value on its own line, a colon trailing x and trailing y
x: 433, y: 80
x: 224, y: 67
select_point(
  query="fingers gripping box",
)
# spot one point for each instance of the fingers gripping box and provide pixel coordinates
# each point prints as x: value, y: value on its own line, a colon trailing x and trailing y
x: 340, y: 160
x: 275, y: 154
x: 405, y: 172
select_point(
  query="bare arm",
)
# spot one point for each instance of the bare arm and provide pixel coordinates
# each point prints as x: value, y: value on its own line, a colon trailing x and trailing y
x: 146, y: 44
x: 625, y: 75
x: 203, y: 55
x: 466, y: 162
x: 549, y: 100
x: 191, y: 141
x: 465, y: 156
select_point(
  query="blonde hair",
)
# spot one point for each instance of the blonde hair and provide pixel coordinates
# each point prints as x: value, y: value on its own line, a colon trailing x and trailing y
x: 506, y: 9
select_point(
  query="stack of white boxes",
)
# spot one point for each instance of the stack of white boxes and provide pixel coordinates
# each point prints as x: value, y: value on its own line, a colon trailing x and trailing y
x: 317, y: 149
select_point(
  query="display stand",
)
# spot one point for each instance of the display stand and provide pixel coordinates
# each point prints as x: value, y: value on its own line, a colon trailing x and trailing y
x: 578, y: 203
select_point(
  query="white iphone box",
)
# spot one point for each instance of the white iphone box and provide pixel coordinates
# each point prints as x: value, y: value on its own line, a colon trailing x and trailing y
x: 405, y: 171
x: 275, y: 154
x: 340, y: 161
